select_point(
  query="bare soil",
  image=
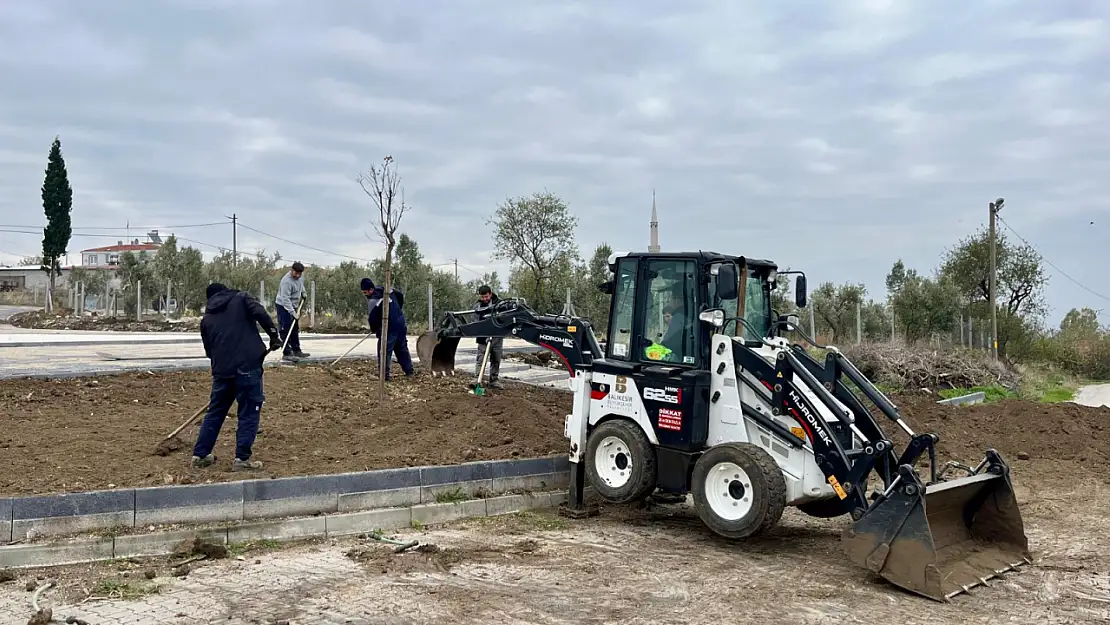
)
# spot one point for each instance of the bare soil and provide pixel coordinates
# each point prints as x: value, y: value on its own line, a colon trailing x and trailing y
x: 101, y: 432
x: 1055, y: 437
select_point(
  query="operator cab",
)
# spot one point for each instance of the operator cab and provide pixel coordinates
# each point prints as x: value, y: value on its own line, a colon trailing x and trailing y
x: 663, y: 309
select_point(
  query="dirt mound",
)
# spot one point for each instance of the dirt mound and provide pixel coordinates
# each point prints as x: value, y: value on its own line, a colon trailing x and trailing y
x: 1016, y: 428
x: 63, y: 320
x: 91, y: 433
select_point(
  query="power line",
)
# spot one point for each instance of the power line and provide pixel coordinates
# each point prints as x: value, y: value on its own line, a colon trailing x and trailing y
x: 1050, y: 264
x: 214, y: 223
x: 309, y: 247
x: 221, y: 248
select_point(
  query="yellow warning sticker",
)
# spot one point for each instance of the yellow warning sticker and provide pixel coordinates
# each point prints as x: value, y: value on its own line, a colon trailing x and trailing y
x: 836, y: 486
x: 572, y: 329
x: 799, y: 432
x: 779, y: 374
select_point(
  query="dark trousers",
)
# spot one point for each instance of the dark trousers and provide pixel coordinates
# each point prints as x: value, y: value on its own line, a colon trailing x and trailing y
x: 246, y: 389
x: 396, y: 345
x: 494, y: 358
x: 285, y: 321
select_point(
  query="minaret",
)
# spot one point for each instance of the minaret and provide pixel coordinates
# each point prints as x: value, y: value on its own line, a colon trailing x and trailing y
x: 653, y: 247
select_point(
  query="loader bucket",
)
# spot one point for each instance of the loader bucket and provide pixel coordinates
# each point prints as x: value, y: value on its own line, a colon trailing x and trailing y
x: 959, y: 534
x: 437, y: 353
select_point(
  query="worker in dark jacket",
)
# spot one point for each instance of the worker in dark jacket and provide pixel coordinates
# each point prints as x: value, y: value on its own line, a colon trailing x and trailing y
x: 229, y: 331
x: 484, y: 308
x: 397, y: 342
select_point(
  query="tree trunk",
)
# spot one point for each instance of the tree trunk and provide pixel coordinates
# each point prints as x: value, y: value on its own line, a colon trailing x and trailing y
x: 383, y: 343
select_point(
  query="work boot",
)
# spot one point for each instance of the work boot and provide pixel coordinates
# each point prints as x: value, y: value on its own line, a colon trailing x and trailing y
x: 200, y: 463
x: 300, y: 354
x: 495, y: 383
x: 246, y: 465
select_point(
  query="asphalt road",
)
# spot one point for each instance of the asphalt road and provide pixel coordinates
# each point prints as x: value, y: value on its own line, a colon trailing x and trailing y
x: 8, y: 311
x: 1094, y: 395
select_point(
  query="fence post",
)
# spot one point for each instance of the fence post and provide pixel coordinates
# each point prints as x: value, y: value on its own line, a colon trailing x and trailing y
x: 138, y: 300
x: 859, y: 323
x: 312, y: 305
x: 431, y: 324
x: 812, y: 323
x: 169, y: 296
x: 262, y: 293
x: 893, y: 326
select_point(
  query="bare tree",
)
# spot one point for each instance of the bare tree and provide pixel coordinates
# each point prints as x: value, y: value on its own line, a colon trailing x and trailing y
x: 383, y: 186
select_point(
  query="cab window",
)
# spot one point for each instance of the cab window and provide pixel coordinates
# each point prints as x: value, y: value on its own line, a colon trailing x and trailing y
x: 670, y: 312
x: 756, y: 311
x: 624, y: 301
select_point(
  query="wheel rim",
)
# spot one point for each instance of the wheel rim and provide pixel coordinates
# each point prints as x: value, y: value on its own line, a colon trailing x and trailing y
x: 613, y: 462
x: 728, y: 491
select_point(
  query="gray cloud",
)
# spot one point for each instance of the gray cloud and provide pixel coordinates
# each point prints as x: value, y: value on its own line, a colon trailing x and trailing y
x: 834, y: 137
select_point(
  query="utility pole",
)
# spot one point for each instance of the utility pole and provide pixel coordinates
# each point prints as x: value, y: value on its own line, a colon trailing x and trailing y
x: 234, y: 240
x: 456, y: 271
x: 995, y: 206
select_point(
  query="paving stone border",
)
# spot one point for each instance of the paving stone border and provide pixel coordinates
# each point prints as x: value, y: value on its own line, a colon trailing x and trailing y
x: 86, y: 549
x: 35, y: 516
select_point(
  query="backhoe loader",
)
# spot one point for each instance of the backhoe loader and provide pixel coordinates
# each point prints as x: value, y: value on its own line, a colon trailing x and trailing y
x: 698, y: 390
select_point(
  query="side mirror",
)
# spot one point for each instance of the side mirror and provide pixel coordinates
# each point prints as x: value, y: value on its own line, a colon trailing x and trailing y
x: 727, y: 281
x: 606, y: 287
x: 800, y: 291
x: 714, y: 316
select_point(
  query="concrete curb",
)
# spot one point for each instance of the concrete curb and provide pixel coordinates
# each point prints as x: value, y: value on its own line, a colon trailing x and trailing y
x: 965, y: 400
x: 154, y: 340
x: 31, y: 517
x: 83, y: 549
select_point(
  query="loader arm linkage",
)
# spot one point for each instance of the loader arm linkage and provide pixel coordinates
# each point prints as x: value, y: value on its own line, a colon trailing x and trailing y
x: 570, y: 338
x: 936, y: 538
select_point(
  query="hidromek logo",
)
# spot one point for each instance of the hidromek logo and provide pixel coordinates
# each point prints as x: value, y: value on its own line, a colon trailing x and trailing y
x: 810, y: 418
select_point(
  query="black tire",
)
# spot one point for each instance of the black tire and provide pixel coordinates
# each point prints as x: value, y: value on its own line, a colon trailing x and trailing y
x: 634, y: 446
x: 766, y: 491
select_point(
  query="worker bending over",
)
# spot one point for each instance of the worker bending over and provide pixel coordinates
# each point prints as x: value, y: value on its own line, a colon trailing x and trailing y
x: 397, y: 341
x: 484, y: 308
x: 229, y: 331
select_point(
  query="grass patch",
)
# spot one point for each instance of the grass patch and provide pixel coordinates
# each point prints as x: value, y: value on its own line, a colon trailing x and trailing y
x: 451, y: 496
x: 115, y: 589
x: 265, y: 544
x: 1049, y: 384
x: 524, y: 520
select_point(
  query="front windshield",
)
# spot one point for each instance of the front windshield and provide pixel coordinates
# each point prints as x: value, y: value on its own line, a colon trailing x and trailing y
x: 756, y: 307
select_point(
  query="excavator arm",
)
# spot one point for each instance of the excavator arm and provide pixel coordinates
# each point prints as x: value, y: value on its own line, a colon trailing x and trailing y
x: 570, y: 338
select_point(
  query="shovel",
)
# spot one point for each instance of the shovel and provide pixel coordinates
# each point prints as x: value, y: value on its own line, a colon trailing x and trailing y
x: 942, y: 539
x: 476, y: 387
x: 171, y: 443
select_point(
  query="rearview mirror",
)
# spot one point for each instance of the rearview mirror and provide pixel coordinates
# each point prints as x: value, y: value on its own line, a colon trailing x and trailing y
x: 715, y: 316
x: 800, y: 291
x: 727, y: 287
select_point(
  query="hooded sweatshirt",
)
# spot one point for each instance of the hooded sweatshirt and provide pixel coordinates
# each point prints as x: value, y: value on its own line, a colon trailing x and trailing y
x: 229, y: 331
x: 397, y: 325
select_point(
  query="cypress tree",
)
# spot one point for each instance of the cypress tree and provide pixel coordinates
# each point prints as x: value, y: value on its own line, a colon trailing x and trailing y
x: 57, y: 202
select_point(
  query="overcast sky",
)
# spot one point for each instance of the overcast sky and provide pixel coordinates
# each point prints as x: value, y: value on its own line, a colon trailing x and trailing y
x: 829, y: 136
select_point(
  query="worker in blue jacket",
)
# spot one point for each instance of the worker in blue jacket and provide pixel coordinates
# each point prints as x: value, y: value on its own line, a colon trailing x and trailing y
x: 397, y: 343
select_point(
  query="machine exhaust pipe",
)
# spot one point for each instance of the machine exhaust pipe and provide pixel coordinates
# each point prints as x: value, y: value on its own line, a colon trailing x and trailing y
x: 438, y: 354
x: 941, y: 540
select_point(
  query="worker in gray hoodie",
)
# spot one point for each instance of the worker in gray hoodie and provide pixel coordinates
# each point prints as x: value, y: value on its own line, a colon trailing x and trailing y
x: 288, y: 298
